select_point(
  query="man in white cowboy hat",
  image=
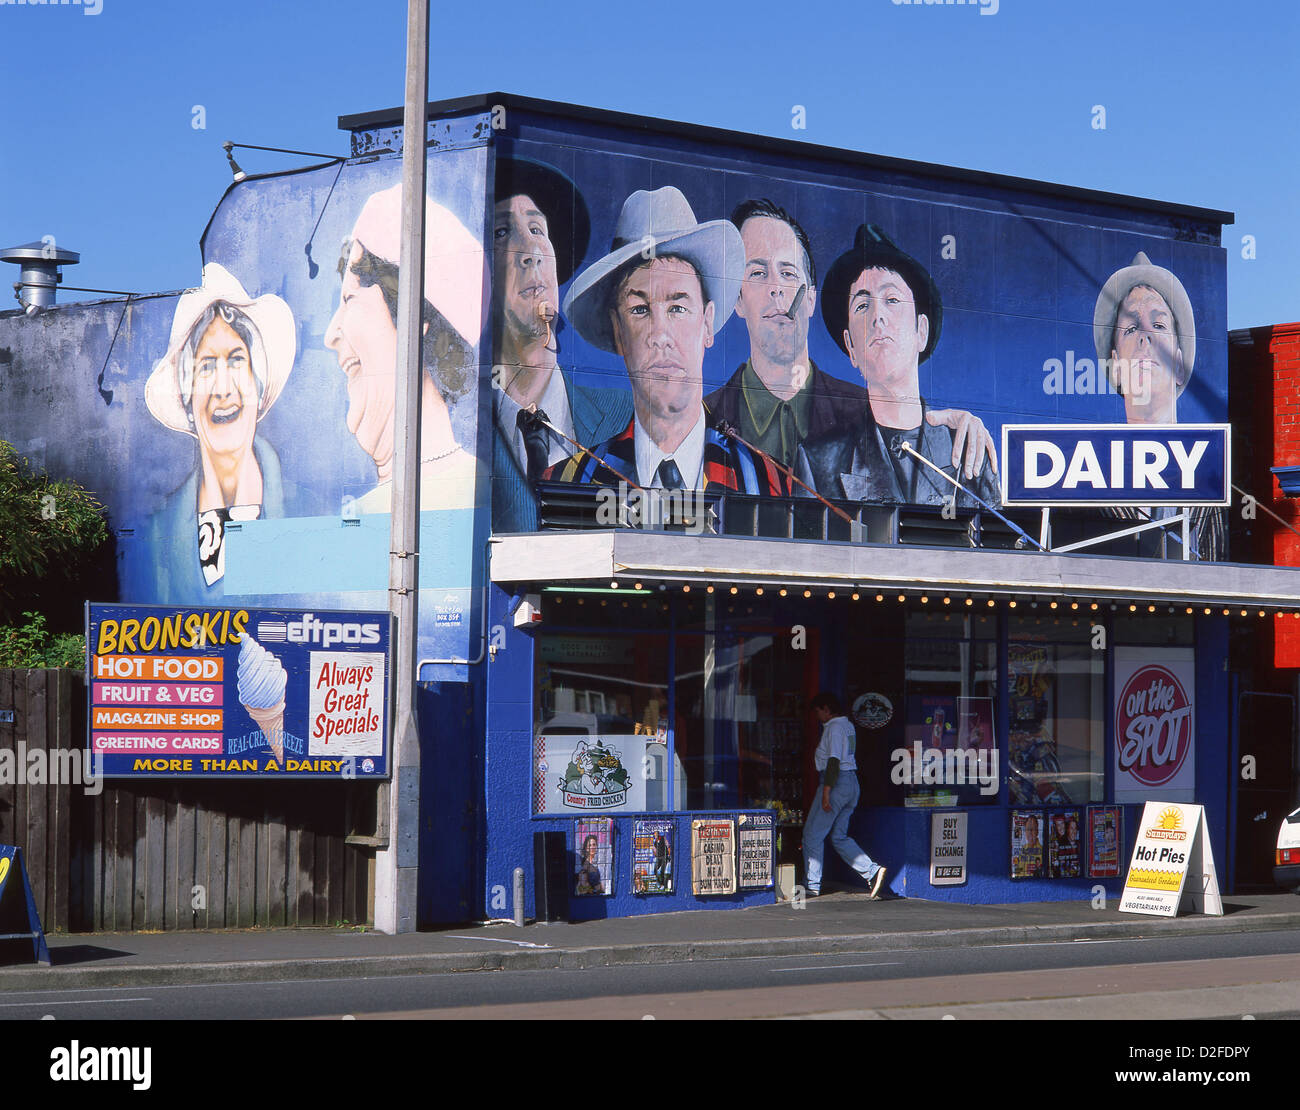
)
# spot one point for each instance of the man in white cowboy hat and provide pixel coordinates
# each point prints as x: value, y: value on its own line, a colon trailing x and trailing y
x: 657, y: 300
x: 1144, y: 330
x: 1144, y: 326
x: 541, y: 227
x: 363, y: 335
x: 227, y: 361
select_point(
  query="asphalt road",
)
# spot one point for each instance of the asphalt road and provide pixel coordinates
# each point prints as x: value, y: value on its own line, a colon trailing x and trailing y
x: 1224, y: 976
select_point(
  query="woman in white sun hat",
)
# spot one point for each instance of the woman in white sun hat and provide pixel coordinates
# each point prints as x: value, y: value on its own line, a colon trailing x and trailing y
x: 227, y: 361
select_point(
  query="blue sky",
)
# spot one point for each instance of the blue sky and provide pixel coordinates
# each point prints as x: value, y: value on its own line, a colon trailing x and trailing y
x: 1200, y: 101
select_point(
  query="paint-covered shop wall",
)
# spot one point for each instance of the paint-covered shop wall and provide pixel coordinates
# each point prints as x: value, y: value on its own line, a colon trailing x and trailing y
x: 748, y: 304
x: 241, y: 432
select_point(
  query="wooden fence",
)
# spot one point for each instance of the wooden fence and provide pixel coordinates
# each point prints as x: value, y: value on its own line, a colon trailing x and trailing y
x: 170, y: 854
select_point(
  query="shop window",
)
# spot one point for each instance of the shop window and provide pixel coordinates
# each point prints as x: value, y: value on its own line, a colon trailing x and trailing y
x: 1151, y: 628
x: 600, y: 727
x: 1050, y: 629
x: 950, y: 756
x: 1056, y: 693
x: 741, y: 705
x: 947, y: 622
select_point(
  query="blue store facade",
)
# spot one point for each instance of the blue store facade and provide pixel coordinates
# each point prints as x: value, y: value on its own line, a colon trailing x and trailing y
x: 615, y: 649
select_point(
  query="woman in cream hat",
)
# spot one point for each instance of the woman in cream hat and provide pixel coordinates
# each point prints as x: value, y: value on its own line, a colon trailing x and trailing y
x: 362, y: 333
x: 227, y: 361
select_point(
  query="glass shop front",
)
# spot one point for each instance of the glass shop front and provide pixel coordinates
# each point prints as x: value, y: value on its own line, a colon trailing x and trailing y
x: 1001, y: 712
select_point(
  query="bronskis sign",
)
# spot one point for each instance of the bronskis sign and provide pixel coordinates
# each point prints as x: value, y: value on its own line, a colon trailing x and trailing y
x: 1169, y: 465
x: 229, y: 693
x: 1155, y: 724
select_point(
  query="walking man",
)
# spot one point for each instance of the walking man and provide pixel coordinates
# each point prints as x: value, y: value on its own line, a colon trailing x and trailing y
x: 837, y: 798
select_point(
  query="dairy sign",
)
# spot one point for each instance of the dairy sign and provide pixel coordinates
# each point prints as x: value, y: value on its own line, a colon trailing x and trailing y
x: 229, y: 693
x: 1155, y: 724
x: 1172, y: 465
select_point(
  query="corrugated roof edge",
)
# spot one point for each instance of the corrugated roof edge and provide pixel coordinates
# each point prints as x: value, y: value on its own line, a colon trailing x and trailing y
x: 390, y: 117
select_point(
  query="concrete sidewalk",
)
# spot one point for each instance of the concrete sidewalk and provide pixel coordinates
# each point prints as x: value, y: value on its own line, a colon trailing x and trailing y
x: 833, y: 923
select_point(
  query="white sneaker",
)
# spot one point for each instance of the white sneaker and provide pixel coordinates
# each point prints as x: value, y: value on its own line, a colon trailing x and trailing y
x: 877, y: 883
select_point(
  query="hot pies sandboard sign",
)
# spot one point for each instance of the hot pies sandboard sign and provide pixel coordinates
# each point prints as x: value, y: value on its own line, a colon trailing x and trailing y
x: 1172, y: 869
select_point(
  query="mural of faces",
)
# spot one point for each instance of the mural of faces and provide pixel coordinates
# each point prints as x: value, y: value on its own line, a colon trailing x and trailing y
x: 662, y: 327
x: 774, y: 271
x: 224, y: 401
x: 361, y: 334
x: 885, y: 335
x: 1146, y: 340
x: 524, y: 274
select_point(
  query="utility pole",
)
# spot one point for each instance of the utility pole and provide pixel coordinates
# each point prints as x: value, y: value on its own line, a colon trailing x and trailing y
x: 397, y: 865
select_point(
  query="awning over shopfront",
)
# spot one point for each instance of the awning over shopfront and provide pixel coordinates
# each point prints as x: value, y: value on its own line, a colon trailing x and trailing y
x: 628, y: 556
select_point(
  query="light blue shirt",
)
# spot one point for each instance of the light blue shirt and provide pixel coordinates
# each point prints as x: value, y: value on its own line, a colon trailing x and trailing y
x: 839, y: 739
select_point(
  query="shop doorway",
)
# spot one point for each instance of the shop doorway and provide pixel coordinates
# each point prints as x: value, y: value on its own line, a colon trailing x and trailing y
x: 1266, y: 731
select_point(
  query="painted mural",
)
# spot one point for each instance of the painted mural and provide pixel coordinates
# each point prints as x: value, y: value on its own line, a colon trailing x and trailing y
x: 658, y: 319
x: 230, y: 501
x: 778, y: 337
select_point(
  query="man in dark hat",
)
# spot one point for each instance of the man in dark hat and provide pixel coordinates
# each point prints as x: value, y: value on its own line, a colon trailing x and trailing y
x: 779, y: 397
x: 540, y: 228
x: 881, y: 306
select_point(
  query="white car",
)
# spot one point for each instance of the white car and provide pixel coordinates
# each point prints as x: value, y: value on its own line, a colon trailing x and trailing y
x: 1286, y: 866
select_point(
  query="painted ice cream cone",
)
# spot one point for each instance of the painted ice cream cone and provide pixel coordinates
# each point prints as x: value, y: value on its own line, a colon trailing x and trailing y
x: 271, y: 722
x: 262, y: 681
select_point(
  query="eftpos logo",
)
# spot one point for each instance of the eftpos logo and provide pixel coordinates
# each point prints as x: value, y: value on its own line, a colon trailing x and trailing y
x: 310, y: 629
x: 1175, y: 465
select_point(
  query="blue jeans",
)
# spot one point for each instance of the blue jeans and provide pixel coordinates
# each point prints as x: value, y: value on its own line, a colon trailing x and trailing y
x: 844, y: 800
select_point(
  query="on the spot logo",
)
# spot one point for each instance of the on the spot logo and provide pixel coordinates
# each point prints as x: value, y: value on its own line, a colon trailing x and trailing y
x: 1153, y: 725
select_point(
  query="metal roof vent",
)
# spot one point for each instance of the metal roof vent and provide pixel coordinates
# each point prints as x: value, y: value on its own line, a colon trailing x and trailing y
x: 39, y: 276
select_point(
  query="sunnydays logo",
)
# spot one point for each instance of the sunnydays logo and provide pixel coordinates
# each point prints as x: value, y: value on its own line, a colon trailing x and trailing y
x: 1153, y: 723
x: 1168, y: 826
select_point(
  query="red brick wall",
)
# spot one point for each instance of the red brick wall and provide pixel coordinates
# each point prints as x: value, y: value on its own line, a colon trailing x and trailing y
x: 1280, y: 347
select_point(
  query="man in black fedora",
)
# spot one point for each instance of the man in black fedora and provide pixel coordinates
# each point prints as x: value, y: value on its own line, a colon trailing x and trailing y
x: 540, y: 229
x: 883, y: 309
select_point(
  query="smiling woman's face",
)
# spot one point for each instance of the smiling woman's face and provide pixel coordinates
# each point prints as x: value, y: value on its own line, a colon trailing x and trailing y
x: 224, y: 401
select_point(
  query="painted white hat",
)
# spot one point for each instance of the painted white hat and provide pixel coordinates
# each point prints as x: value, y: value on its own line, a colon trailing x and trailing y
x: 274, y: 345
x: 657, y: 223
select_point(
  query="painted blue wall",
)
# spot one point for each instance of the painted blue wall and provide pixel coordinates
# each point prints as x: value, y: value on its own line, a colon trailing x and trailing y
x: 511, y: 824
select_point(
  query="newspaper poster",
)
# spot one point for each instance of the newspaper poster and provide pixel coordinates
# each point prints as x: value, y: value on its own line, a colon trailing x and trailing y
x: 713, y: 856
x: 1105, y: 841
x: 1064, y: 850
x: 652, y: 856
x: 754, y: 834
x: 594, y: 844
x: 1026, y: 844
